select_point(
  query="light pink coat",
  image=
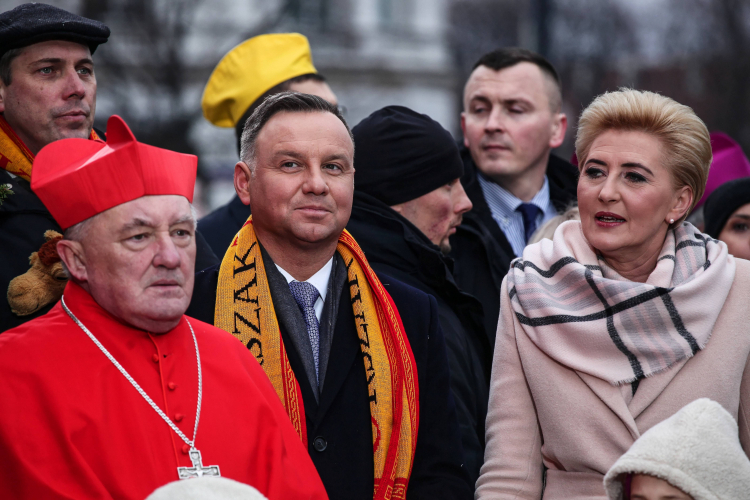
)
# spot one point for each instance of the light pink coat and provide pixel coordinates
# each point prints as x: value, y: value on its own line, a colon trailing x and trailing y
x: 577, y: 425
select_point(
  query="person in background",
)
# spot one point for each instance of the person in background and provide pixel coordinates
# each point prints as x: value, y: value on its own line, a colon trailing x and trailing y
x: 512, y: 119
x: 408, y: 200
x: 47, y: 92
x: 727, y: 216
x: 693, y: 455
x: 115, y: 391
x: 262, y: 66
x: 729, y: 163
x: 357, y: 358
x: 626, y: 317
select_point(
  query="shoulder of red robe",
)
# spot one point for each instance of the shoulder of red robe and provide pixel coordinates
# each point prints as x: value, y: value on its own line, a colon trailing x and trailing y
x: 79, y: 178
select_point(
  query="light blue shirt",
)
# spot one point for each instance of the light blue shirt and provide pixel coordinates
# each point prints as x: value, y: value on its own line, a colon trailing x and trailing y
x: 503, y: 206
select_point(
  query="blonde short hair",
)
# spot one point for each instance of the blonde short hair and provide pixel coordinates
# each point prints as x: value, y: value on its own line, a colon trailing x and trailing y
x: 684, y: 135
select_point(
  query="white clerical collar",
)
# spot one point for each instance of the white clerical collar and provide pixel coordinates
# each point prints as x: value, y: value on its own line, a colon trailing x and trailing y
x: 319, y: 280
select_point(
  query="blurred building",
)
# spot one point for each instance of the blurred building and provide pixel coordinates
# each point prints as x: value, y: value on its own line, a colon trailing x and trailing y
x: 152, y: 71
x: 374, y: 53
x: 416, y: 53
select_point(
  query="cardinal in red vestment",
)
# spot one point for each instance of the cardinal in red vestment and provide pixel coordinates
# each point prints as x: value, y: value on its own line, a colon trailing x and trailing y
x: 115, y: 392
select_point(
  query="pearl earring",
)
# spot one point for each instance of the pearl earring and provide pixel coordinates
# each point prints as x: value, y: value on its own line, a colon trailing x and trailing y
x: 671, y: 221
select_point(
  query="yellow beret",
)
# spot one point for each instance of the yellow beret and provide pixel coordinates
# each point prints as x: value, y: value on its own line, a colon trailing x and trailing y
x: 249, y: 70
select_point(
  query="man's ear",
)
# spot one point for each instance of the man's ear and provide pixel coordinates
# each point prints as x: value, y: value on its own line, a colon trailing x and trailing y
x: 559, y: 127
x: 242, y: 179
x: 463, y: 128
x: 2, y: 96
x: 71, y: 253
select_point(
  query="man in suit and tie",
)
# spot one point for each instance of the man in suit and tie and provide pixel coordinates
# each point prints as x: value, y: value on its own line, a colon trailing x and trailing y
x: 357, y: 358
x: 512, y: 119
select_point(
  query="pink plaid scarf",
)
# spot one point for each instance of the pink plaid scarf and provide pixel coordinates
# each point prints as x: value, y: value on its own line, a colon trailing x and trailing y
x: 585, y: 316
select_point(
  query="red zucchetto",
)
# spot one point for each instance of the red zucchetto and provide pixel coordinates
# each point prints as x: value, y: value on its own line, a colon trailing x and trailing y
x: 79, y: 178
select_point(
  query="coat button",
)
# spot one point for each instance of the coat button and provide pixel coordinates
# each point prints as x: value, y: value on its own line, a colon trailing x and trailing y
x: 155, y: 357
x: 178, y: 417
x: 185, y: 449
x: 320, y: 444
x: 172, y: 386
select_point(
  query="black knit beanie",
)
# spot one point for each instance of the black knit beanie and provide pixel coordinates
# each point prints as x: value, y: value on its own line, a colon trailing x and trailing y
x: 723, y: 202
x: 402, y: 155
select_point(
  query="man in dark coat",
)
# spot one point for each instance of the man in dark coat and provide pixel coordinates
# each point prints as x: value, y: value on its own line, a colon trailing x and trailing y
x: 47, y: 92
x: 408, y: 200
x: 262, y: 66
x: 300, y: 299
x: 512, y: 119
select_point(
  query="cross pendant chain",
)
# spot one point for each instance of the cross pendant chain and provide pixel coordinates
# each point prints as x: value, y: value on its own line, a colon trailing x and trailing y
x: 197, y: 470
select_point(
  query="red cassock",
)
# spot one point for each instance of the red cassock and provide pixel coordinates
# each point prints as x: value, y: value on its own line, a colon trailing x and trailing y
x: 72, y: 426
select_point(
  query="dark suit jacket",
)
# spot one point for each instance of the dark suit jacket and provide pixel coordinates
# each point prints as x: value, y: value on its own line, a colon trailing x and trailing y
x: 480, y: 249
x: 338, y: 425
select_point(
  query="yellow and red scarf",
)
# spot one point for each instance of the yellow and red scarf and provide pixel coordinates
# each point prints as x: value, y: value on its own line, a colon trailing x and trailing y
x: 15, y: 157
x: 245, y: 309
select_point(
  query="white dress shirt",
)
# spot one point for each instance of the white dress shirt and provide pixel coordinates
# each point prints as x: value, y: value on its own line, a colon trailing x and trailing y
x: 319, y: 280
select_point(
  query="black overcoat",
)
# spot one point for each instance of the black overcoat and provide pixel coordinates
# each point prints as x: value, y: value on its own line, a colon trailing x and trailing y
x: 339, y: 428
x: 221, y: 225
x: 395, y: 247
x: 481, y: 250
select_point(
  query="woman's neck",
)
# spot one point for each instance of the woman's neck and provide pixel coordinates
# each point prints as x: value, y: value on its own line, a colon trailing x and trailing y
x: 634, y: 264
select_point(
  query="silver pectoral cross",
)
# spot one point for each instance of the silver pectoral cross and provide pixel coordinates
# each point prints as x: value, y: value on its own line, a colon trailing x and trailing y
x: 197, y: 470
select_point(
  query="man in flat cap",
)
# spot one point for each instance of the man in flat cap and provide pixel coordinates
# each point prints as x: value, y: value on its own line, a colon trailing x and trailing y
x: 115, y: 392
x: 408, y: 201
x: 259, y: 67
x: 47, y: 92
x: 357, y: 358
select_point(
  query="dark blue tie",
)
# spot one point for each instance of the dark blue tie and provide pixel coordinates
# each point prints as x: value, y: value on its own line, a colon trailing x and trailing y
x: 306, y: 294
x: 529, y: 212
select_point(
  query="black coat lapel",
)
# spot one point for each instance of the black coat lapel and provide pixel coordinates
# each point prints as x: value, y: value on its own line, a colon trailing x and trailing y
x: 336, y: 283
x: 345, y: 351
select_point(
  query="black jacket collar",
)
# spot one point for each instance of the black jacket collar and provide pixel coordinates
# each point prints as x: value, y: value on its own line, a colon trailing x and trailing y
x: 390, y: 239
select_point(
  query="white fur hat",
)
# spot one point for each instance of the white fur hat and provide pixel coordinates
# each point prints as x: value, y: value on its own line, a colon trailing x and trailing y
x: 696, y: 450
x: 206, y: 488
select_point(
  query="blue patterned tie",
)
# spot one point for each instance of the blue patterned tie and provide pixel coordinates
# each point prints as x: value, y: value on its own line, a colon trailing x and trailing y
x: 306, y: 294
x: 529, y: 212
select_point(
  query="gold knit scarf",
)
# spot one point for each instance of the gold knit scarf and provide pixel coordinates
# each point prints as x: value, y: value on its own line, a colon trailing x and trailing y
x: 245, y: 309
x: 15, y: 157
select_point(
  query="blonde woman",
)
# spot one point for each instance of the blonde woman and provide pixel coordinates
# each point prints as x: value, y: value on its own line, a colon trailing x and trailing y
x: 623, y: 318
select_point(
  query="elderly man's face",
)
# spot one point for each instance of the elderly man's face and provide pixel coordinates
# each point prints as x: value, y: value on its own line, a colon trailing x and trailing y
x: 137, y: 261
x: 52, y: 94
x: 438, y: 213
x: 301, y: 191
